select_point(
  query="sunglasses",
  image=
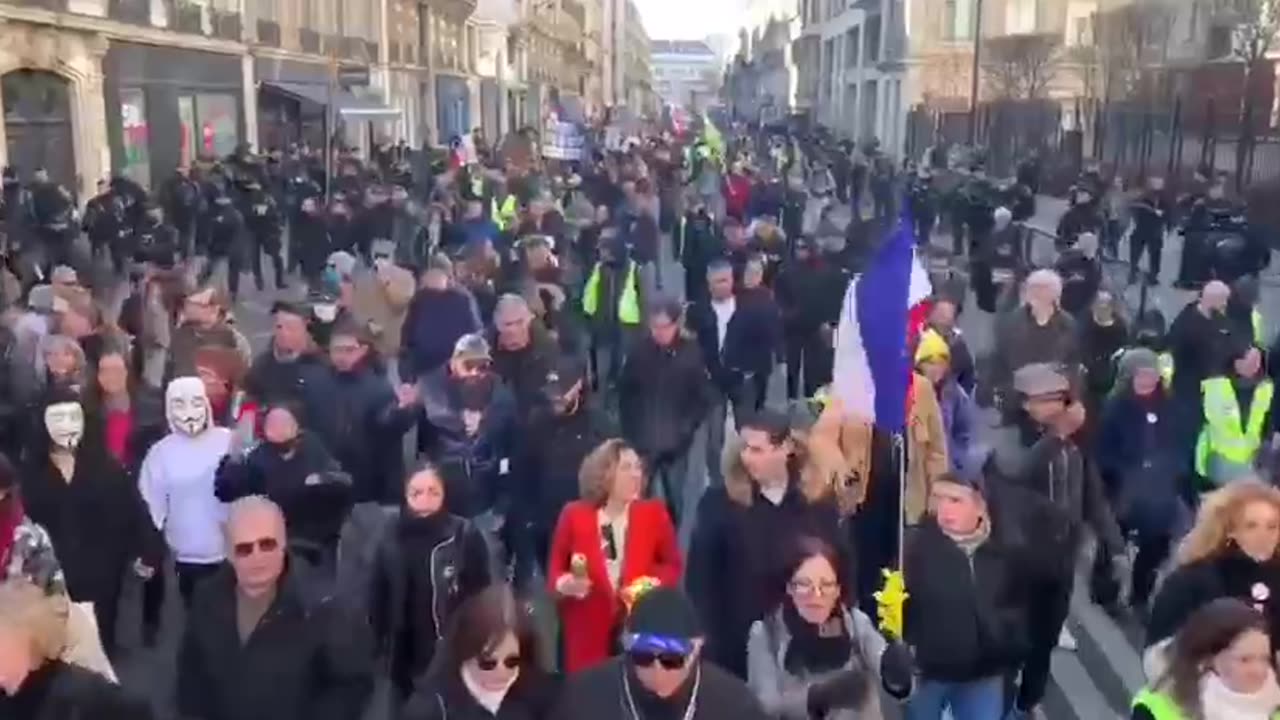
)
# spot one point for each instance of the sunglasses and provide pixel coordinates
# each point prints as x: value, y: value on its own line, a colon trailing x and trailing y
x: 668, y: 660
x: 262, y: 545
x: 486, y: 663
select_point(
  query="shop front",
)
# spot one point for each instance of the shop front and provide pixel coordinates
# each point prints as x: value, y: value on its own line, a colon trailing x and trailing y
x: 168, y: 106
x: 294, y: 103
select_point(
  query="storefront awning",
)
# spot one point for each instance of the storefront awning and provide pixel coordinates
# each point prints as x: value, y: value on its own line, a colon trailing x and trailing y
x: 347, y: 104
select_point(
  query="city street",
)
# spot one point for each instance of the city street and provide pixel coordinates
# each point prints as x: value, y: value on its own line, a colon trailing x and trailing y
x: 1094, y: 681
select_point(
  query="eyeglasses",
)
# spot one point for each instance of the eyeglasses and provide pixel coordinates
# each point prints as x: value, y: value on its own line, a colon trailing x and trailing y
x: 809, y: 587
x: 610, y: 543
x: 486, y: 663
x: 262, y: 545
x: 668, y: 660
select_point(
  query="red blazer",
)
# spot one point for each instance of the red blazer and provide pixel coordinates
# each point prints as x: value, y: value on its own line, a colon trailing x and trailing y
x: 651, y: 549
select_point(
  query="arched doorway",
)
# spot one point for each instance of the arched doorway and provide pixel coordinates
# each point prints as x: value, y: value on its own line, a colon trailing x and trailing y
x: 37, y: 122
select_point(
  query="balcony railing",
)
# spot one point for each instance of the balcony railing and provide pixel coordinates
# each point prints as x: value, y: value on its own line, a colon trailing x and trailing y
x: 137, y: 12
x: 269, y: 33
x: 309, y: 41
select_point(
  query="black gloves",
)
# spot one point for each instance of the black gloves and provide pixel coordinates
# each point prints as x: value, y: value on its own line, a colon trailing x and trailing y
x: 897, y: 669
x: 844, y: 689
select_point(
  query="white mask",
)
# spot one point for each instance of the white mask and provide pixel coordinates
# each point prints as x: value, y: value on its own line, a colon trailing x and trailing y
x: 65, y: 423
x: 187, y: 406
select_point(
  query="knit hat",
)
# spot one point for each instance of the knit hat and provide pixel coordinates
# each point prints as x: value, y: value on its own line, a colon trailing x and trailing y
x: 1038, y: 379
x: 1138, y: 359
x: 932, y: 346
x: 662, y: 620
x: 472, y: 346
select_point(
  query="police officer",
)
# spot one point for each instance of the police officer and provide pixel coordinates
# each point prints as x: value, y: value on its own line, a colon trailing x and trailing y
x: 997, y: 264
x: 922, y: 201
x: 979, y: 201
x: 266, y: 227
x: 180, y: 200
x: 225, y: 230
x: 1152, y: 215
x: 104, y: 223
x: 1082, y: 217
x: 53, y: 213
x: 156, y: 241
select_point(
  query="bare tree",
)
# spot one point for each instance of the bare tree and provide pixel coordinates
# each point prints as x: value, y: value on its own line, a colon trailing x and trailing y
x: 1255, y: 25
x: 1021, y: 66
x: 1123, y: 45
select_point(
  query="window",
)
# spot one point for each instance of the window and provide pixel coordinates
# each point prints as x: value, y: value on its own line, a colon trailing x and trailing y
x: 872, y: 44
x: 852, y: 46
x: 210, y: 125
x: 1021, y: 16
x: 958, y: 20
x: 133, y: 119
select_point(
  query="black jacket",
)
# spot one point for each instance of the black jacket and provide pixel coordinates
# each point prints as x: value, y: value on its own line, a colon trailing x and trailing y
x: 306, y: 660
x: 525, y: 371
x: 434, y: 322
x: 752, y: 338
x: 551, y: 454
x: 442, y: 696
x: 665, y: 394
x: 58, y: 691
x: 97, y: 522
x: 600, y: 693
x: 308, y: 485
x: 272, y: 381
x: 1230, y: 573
x: 423, y: 568
x: 966, y: 617
x: 736, y: 555
x: 810, y: 295
x: 360, y: 422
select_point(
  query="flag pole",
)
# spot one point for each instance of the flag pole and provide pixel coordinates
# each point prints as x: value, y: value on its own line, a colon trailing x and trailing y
x: 900, y: 457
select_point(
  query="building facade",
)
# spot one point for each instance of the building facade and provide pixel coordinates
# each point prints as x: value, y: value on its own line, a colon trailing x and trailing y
x: 763, y: 80
x: 686, y: 73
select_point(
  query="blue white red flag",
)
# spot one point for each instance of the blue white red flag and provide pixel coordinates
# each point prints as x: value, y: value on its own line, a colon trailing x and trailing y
x: 884, y: 309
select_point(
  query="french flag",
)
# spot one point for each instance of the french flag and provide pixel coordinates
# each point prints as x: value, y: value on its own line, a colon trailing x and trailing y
x: 884, y: 310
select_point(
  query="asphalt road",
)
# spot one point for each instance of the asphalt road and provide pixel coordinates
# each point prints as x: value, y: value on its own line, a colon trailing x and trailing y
x: 1094, y: 682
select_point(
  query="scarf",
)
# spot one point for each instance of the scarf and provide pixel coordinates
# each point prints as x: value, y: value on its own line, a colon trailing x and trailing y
x: 490, y: 700
x: 811, y: 652
x: 970, y: 542
x: 1220, y: 702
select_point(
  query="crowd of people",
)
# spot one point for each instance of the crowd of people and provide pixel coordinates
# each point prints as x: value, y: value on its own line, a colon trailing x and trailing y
x: 466, y: 468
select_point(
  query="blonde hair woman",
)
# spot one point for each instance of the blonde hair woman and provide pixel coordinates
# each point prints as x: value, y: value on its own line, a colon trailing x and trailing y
x: 34, y: 682
x: 1231, y: 552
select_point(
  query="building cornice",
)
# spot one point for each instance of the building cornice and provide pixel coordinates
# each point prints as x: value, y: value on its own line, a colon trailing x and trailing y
x: 116, y: 30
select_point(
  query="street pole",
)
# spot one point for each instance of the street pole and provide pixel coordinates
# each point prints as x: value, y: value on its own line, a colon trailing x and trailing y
x: 328, y: 132
x: 973, y: 87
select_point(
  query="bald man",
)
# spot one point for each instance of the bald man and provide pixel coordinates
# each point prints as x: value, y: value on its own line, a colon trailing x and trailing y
x: 261, y: 642
x: 1198, y: 338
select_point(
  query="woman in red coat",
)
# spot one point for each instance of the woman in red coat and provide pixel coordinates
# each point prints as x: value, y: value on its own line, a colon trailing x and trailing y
x: 602, y: 544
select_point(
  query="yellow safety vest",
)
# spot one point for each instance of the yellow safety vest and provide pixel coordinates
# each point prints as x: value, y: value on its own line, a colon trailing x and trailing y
x: 503, y: 215
x: 1165, y: 361
x: 628, y: 301
x: 1226, y: 446
x: 1162, y: 707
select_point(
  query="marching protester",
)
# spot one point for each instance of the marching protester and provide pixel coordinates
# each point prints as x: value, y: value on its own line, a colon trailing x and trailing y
x: 24, y: 544
x: 262, y: 637
x: 605, y: 547
x: 401, y: 583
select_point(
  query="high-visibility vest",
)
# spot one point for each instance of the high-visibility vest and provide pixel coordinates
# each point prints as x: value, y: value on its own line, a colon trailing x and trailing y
x: 1226, y: 447
x: 1165, y: 362
x: 1162, y: 707
x: 628, y: 300
x: 503, y: 215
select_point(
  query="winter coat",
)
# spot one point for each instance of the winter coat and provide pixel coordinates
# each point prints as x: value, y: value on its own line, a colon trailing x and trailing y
x: 810, y: 295
x: 381, y: 300
x: 590, y: 624
x: 753, y: 336
x: 1229, y: 573
x: 271, y: 381
x: 358, y: 419
x: 1141, y: 462
x: 62, y: 691
x: 97, y: 521
x: 524, y: 371
x: 551, y: 454
x: 1021, y: 341
x: 308, y: 485
x: 786, y: 696
x: 600, y: 693
x: 476, y: 468
x: 736, y: 554
x: 966, y: 617
x: 443, y: 696
x: 306, y: 660
x: 309, y: 235
x: 1198, y: 345
x: 435, y: 321
x: 187, y: 339
x: 665, y: 394
x: 927, y: 451
x: 455, y: 558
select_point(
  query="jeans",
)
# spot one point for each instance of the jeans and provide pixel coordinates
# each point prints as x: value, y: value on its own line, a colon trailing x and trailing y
x: 716, y: 419
x: 973, y: 700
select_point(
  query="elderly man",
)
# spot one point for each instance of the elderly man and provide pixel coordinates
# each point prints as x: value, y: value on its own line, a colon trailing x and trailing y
x: 523, y: 352
x: 261, y: 643
x: 1038, y: 331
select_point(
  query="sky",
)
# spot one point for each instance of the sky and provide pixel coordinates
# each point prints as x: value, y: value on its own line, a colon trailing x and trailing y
x: 687, y: 19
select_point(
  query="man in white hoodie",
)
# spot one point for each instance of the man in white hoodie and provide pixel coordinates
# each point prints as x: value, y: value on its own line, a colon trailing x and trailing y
x: 177, y: 484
